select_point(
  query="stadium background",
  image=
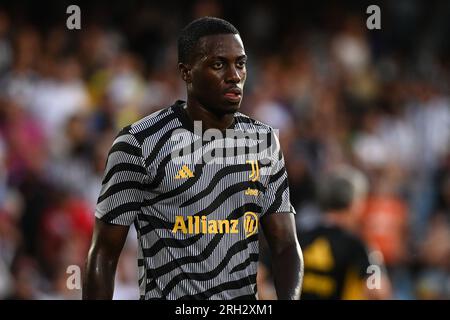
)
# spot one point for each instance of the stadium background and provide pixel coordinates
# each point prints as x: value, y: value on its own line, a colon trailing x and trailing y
x: 339, y: 93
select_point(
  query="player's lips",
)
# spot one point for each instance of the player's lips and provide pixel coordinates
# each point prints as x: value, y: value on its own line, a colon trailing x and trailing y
x: 233, y: 94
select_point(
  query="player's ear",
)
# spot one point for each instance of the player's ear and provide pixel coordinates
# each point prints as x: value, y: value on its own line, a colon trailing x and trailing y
x: 185, y: 71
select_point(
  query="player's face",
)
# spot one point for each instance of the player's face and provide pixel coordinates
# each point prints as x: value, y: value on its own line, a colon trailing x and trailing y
x: 218, y: 73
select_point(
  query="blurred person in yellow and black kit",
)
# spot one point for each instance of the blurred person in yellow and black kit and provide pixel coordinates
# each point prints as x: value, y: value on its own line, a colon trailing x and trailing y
x: 336, y: 260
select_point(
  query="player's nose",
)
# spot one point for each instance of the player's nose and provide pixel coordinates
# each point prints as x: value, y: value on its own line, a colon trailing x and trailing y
x: 233, y: 75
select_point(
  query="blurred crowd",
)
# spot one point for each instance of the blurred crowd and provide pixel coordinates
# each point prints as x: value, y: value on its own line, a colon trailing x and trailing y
x: 339, y: 94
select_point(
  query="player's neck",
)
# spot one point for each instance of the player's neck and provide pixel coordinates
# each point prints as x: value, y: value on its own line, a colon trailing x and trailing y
x: 210, y: 120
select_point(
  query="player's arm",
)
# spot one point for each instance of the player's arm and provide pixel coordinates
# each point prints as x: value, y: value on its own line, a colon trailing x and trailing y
x: 119, y: 202
x: 286, y: 254
x: 107, y: 243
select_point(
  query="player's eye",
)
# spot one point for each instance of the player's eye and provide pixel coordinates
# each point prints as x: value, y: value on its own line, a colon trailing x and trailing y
x: 217, y: 65
x: 241, y: 64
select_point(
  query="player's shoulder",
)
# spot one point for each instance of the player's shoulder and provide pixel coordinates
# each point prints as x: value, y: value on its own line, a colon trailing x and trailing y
x: 350, y: 239
x: 334, y: 233
x: 246, y: 122
x: 158, y: 121
x: 153, y: 119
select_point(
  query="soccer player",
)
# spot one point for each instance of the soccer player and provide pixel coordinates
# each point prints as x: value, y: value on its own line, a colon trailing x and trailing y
x: 197, y: 218
x: 336, y: 259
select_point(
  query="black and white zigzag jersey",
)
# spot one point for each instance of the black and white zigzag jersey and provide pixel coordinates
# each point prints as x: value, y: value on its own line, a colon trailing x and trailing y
x: 196, y: 198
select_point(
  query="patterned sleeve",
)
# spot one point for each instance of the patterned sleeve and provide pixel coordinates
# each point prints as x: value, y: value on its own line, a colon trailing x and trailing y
x: 122, y: 189
x: 276, y: 197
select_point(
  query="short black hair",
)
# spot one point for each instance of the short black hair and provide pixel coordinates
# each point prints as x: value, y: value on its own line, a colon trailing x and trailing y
x: 334, y: 193
x: 339, y: 188
x: 197, y: 29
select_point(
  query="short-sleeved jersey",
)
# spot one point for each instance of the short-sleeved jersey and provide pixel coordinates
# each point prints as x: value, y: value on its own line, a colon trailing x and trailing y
x: 196, y: 200
x: 336, y: 263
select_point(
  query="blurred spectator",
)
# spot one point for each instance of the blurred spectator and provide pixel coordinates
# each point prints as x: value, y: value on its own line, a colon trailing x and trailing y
x: 434, y: 280
x: 59, y: 96
x: 5, y: 45
x: 337, y: 261
x: 65, y: 228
